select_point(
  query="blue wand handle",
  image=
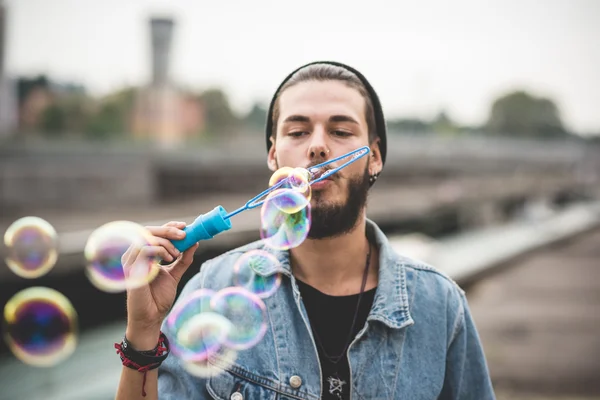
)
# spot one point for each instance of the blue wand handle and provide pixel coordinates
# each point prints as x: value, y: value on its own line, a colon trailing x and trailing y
x: 206, y: 226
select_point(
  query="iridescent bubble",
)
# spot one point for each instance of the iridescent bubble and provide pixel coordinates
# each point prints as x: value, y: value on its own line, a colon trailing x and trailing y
x: 299, y: 179
x: 246, y: 311
x: 193, y: 329
x: 32, y: 247
x: 116, y: 260
x: 296, y: 179
x: 40, y: 326
x: 247, y: 273
x: 202, y: 335
x: 279, y: 175
x: 214, y: 365
x: 287, y: 200
x: 280, y: 229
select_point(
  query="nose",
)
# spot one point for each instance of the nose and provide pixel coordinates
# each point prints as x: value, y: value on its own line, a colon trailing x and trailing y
x: 318, y: 150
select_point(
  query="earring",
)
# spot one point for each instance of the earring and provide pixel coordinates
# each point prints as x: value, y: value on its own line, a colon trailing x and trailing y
x: 373, y: 178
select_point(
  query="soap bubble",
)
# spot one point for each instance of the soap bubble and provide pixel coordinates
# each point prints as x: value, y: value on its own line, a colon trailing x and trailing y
x: 32, y: 246
x: 40, y: 326
x: 297, y: 179
x: 194, y: 330
x: 280, y: 229
x: 279, y: 175
x: 105, y: 250
x: 287, y: 200
x: 248, y: 314
x: 215, y: 364
x: 249, y: 269
x: 202, y: 334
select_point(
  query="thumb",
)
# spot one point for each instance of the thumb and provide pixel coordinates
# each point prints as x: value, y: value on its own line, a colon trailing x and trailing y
x: 182, y: 264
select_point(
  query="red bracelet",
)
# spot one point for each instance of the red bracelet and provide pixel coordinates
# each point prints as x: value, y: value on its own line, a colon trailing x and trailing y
x: 143, y: 361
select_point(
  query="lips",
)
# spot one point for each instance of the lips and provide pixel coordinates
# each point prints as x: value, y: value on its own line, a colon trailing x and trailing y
x: 321, y: 173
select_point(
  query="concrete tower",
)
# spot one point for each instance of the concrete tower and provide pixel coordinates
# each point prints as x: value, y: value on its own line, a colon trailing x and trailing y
x: 161, y: 33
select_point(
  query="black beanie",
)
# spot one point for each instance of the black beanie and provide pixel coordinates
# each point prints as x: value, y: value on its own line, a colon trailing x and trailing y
x: 379, y: 119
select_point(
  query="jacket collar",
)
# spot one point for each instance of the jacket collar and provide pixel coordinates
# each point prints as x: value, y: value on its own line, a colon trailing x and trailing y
x: 391, y: 303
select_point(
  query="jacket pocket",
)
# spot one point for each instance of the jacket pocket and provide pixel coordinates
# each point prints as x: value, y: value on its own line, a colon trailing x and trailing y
x: 224, y: 385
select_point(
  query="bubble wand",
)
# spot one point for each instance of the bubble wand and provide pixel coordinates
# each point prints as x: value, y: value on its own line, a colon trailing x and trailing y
x: 206, y: 226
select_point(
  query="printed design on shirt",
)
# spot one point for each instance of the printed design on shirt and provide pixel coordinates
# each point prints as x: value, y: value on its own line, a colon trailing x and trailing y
x: 335, y: 386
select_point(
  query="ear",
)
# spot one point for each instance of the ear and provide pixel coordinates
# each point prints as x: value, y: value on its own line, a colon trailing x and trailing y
x: 375, y: 162
x: 272, y: 156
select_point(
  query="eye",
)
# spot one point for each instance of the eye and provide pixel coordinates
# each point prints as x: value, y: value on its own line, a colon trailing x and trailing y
x: 297, y: 133
x: 341, y: 133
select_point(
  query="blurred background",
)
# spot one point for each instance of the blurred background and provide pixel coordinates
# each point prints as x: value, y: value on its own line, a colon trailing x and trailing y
x: 151, y: 111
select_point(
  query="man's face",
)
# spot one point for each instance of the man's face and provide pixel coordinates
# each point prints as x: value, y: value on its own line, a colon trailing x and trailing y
x: 319, y: 121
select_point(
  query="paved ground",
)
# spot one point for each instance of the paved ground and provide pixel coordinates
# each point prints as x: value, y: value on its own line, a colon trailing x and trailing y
x: 539, y: 322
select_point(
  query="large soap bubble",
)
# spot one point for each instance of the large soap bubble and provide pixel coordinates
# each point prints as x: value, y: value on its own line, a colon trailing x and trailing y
x: 195, y: 331
x: 32, y: 247
x: 296, y: 179
x: 117, y: 243
x: 281, y: 229
x: 40, y: 326
x: 247, y: 273
x: 248, y: 314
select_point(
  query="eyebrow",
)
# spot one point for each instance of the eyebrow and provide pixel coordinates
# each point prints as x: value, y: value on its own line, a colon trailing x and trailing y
x: 333, y: 118
x: 296, y: 118
x: 342, y: 118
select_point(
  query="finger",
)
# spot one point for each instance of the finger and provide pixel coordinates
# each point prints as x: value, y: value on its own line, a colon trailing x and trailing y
x: 176, y: 224
x: 130, y: 255
x: 167, y: 232
x: 141, y: 268
x: 179, y: 268
x: 125, y: 255
x: 149, y: 252
x: 168, y: 246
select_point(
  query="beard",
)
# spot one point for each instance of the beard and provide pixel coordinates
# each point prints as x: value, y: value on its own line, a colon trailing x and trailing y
x: 331, y: 220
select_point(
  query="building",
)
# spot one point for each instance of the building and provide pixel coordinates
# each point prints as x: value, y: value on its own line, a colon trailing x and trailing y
x: 162, y: 113
x: 8, y: 95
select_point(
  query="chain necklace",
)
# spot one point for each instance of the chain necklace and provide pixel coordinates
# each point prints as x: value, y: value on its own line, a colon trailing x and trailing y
x: 335, y: 382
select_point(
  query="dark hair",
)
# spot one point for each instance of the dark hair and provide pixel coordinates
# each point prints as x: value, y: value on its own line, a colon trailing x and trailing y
x: 328, y: 72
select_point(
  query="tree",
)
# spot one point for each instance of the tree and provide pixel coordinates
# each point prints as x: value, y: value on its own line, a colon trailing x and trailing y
x: 25, y: 85
x: 220, y: 119
x: 111, y: 117
x: 442, y: 124
x: 107, y: 122
x: 54, y: 120
x: 256, y: 118
x: 408, y: 125
x: 522, y: 114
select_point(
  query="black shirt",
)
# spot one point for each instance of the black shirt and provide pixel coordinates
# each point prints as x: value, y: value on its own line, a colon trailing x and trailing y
x: 330, y: 319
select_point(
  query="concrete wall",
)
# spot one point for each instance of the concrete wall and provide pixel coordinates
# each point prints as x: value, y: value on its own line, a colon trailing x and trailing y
x: 81, y: 181
x: 97, y: 177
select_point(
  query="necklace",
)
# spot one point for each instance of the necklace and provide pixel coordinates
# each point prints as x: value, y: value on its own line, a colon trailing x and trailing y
x: 335, y: 383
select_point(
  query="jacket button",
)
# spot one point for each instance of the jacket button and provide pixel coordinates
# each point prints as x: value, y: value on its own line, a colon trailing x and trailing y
x: 236, y: 396
x: 295, y: 381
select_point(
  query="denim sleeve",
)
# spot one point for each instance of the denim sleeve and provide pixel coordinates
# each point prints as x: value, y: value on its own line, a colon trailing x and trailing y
x: 467, y: 374
x: 174, y: 382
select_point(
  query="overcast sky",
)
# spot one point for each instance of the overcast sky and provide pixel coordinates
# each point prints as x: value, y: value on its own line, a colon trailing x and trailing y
x: 421, y: 56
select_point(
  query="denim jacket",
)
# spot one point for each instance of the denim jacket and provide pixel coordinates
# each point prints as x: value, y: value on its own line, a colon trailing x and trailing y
x: 419, y: 341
